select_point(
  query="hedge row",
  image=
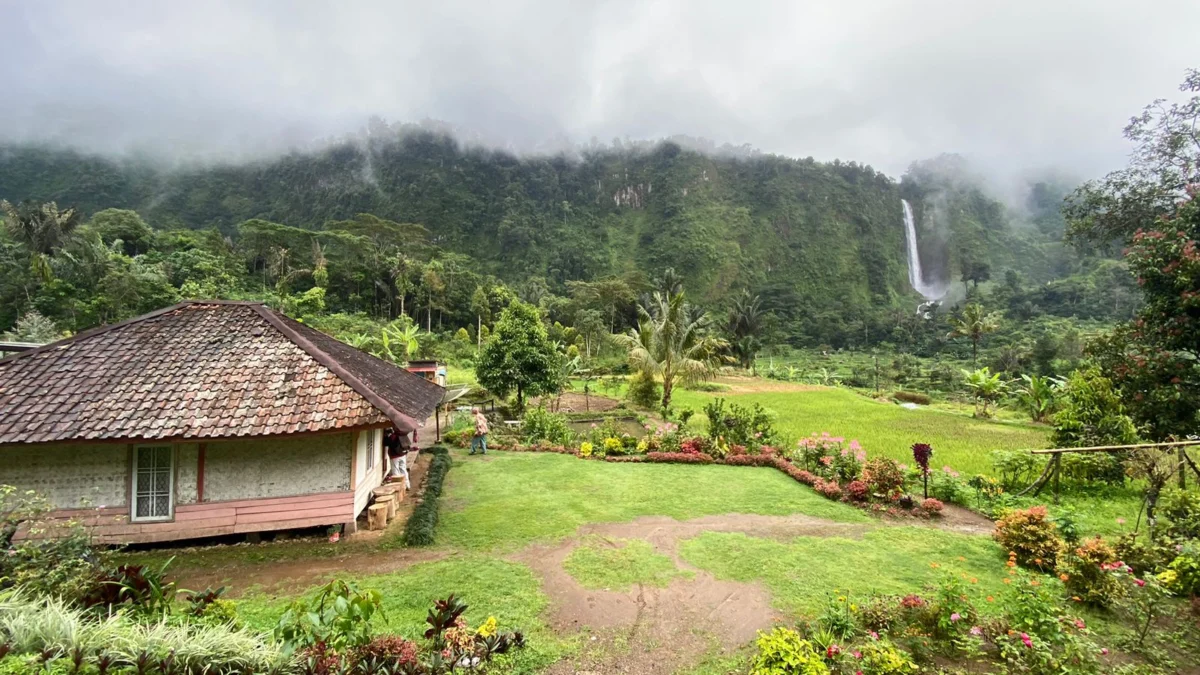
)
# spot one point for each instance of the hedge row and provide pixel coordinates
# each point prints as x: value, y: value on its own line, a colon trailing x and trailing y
x: 422, y: 524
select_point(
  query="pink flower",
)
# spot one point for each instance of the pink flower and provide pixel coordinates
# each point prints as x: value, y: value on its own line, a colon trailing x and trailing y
x: 955, y: 617
x: 873, y: 634
x: 1139, y: 582
x: 1080, y: 624
x: 1120, y: 521
x: 857, y: 654
x: 827, y: 460
x: 1027, y: 640
x: 976, y: 630
x: 833, y: 651
x: 1104, y: 651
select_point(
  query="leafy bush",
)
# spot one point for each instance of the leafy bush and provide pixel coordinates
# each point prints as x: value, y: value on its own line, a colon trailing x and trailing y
x: 540, y: 424
x: 1091, y: 413
x: 738, y: 425
x: 144, y: 591
x: 948, y: 486
x: 847, y: 464
x: 1080, y: 569
x: 828, y: 489
x: 64, y: 565
x: 858, y: 491
x: 391, y: 651
x: 1099, y: 467
x: 1181, y: 509
x: 912, y: 397
x: 1183, y: 574
x: 1031, y: 535
x: 750, y: 460
x: 422, y: 522
x: 644, y: 391
x: 1016, y: 468
x: 883, y: 476
x: 932, y: 507
x: 881, y: 657
x: 338, y: 616
x: 784, y: 652
x: 678, y: 458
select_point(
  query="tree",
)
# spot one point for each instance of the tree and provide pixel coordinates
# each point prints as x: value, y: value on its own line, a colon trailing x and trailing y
x: 673, y: 342
x: 41, y: 228
x: 1037, y: 395
x: 745, y: 324
x: 520, y: 357
x: 608, y: 294
x: 1164, y: 162
x: 481, y: 307
x: 590, y: 325
x: 33, y: 327
x: 1154, y: 361
x: 431, y: 279
x: 974, y: 324
x: 1091, y: 413
x: 986, y: 388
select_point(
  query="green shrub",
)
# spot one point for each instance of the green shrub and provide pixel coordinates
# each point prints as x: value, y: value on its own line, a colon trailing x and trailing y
x: 912, y: 397
x: 883, y: 476
x: 644, y: 391
x: 948, y: 486
x: 881, y: 657
x: 1181, y: 509
x: 338, y: 616
x: 1079, y: 569
x: 61, y: 566
x: 784, y: 652
x: 1183, y: 574
x: 422, y: 523
x: 1091, y: 413
x: 1030, y: 536
x: 750, y: 427
x: 540, y: 424
x: 1016, y: 468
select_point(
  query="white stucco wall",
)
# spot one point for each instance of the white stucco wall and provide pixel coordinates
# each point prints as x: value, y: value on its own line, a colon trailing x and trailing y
x: 281, y: 467
x: 186, y: 461
x: 68, y: 475
x: 367, y: 443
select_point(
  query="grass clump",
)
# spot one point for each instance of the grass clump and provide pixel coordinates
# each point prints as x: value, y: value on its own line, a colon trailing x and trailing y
x: 421, y: 527
x: 618, y: 564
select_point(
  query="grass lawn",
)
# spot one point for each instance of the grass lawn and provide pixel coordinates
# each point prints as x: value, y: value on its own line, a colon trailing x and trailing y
x: 883, y: 428
x: 802, y: 573
x: 512, y: 499
x: 618, y: 564
x: 489, y: 586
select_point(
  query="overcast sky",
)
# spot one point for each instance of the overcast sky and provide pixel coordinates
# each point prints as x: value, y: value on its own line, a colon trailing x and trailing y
x: 1011, y: 84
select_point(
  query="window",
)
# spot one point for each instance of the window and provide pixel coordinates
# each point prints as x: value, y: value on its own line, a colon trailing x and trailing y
x: 153, y: 482
x: 372, y: 449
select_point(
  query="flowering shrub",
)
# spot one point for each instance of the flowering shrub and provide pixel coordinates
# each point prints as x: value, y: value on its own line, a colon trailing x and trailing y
x: 784, y: 652
x: 948, y: 486
x: 828, y: 489
x: 613, y: 446
x: 540, y: 424
x: 1084, y: 571
x: 738, y: 425
x: 848, y: 463
x: 857, y: 490
x: 1031, y: 536
x: 883, y: 476
x: 695, y: 445
x: 585, y: 449
x: 810, y: 450
x: 932, y: 507
x: 678, y: 458
x: 1183, y: 574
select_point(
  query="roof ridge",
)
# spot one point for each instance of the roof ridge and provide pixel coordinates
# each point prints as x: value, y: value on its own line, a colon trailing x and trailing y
x: 99, y: 330
x: 277, y: 322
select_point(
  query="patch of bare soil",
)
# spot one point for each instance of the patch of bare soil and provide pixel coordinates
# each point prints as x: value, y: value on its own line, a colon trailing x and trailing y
x: 571, y: 402
x: 958, y: 519
x: 752, y: 385
x: 659, y: 630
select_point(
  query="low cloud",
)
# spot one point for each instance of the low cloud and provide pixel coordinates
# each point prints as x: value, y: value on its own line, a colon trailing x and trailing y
x: 1011, y: 85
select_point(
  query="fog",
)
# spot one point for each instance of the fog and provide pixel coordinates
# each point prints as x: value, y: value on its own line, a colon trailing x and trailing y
x: 1013, y: 86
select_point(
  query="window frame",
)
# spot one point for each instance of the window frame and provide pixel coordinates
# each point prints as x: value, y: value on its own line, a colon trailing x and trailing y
x: 133, y: 484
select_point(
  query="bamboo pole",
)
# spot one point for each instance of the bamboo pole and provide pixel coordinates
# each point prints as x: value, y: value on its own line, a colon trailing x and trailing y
x: 1113, y: 448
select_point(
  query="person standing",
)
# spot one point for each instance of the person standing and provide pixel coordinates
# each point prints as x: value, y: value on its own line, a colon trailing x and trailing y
x: 479, y: 440
x: 397, y: 446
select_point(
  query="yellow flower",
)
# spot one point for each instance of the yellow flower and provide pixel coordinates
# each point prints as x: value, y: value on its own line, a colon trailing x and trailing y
x: 853, y: 607
x: 488, y: 628
x: 585, y: 449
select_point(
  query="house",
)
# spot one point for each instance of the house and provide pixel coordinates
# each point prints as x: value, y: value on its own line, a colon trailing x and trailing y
x: 430, y: 370
x: 201, y: 419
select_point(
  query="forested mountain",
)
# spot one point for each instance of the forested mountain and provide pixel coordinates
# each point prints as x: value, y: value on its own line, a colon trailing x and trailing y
x: 819, y: 242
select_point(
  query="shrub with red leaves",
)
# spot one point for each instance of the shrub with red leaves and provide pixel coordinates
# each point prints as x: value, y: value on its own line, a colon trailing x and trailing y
x: 678, y: 458
x: 750, y: 460
x: 858, y: 491
x: 391, y: 650
x: 932, y: 507
x: 736, y: 449
x: 625, y: 459
x: 828, y: 489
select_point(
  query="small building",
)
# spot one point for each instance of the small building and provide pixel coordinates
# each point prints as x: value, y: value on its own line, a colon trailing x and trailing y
x: 430, y: 370
x: 202, y: 419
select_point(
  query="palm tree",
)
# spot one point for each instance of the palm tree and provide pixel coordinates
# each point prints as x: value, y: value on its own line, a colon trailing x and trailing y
x: 42, y: 228
x: 745, y: 322
x: 974, y: 324
x: 986, y: 387
x: 1038, y: 395
x: 672, y: 341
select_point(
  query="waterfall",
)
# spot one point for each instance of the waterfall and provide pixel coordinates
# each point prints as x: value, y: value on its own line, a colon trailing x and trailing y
x: 915, y: 275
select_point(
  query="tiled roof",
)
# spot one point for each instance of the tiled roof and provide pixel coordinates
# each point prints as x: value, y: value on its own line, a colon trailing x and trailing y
x: 203, y: 370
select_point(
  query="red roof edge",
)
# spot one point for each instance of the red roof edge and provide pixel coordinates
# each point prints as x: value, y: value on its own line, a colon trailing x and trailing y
x: 403, y: 422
